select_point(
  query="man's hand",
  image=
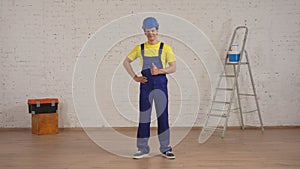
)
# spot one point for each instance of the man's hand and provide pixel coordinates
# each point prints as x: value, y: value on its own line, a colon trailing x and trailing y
x: 154, y: 70
x: 141, y: 79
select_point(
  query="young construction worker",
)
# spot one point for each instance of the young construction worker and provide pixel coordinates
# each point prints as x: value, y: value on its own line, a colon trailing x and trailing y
x: 154, y: 56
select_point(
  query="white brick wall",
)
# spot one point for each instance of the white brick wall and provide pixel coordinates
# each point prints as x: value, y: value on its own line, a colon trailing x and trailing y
x: 40, y: 41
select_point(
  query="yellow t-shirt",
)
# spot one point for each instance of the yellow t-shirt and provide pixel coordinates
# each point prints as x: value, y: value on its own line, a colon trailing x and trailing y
x: 167, y: 55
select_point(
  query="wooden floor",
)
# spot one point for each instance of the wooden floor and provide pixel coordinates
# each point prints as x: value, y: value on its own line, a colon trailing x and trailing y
x: 71, y: 148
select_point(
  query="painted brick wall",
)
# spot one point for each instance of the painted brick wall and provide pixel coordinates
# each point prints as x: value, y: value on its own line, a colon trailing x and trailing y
x: 41, y: 40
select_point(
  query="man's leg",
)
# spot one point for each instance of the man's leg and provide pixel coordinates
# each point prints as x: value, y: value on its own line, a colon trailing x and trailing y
x: 143, y: 133
x: 161, y: 106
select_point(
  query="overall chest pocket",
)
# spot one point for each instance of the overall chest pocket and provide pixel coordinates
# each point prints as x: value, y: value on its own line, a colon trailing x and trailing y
x: 149, y: 60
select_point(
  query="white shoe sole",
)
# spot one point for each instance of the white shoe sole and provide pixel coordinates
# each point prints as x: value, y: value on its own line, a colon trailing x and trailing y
x: 142, y: 156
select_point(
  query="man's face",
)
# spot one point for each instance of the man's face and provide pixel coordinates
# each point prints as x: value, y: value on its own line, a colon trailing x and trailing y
x: 151, y: 33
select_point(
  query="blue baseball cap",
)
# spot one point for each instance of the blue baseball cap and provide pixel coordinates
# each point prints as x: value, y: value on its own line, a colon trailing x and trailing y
x: 150, y: 22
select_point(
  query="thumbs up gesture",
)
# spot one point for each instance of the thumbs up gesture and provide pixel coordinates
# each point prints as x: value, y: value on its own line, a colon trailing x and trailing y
x: 154, y: 70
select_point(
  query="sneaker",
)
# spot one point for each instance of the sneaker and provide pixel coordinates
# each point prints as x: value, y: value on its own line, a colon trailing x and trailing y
x: 169, y: 155
x: 140, y: 154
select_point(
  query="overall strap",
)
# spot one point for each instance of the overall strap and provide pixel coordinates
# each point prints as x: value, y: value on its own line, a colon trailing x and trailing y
x: 160, y: 49
x: 142, y: 49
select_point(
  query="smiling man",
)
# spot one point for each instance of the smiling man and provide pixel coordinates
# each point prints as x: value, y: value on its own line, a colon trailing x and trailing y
x: 156, y: 59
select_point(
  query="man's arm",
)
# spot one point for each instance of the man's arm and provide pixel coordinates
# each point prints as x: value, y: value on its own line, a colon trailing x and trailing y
x: 130, y: 71
x: 168, y: 70
x: 128, y: 67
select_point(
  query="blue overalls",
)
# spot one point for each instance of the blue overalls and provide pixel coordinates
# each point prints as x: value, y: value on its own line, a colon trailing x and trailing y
x: 154, y: 90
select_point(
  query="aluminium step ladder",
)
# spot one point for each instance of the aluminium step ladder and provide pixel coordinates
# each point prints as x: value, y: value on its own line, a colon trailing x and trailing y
x: 224, y: 97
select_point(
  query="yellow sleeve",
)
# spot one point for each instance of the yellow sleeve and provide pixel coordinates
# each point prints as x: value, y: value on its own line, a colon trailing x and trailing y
x: 170, y: 57
x: 134, y: 54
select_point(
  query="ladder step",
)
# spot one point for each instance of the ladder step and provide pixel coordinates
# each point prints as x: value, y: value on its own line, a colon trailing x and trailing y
x: 245, y: 94
x: 218, y: 115
x: 242, y: 63
x: 230, y: 89
x: 222, y: 110
x: 218, y: 110
x: 213, y: 128
x: 245, y: 112
x: 221, y: 102
x: 251, y: 111
x: 248, y: 126
x: 227, y: 76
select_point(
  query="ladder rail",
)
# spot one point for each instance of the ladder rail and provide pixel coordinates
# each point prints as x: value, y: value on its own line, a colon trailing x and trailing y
x: 254, y: 92
x: 228, y: 112
x: 235, y: 87
x: 236, y: 72
x: 237, y: 83
x: 239, y: 102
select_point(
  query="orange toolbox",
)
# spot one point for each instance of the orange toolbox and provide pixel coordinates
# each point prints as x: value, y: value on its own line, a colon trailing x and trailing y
x: 40, y: 106
x: 44, y: 117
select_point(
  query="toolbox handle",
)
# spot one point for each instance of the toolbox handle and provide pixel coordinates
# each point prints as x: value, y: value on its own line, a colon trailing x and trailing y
x: 52, y: 103
x: 38, y: 103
